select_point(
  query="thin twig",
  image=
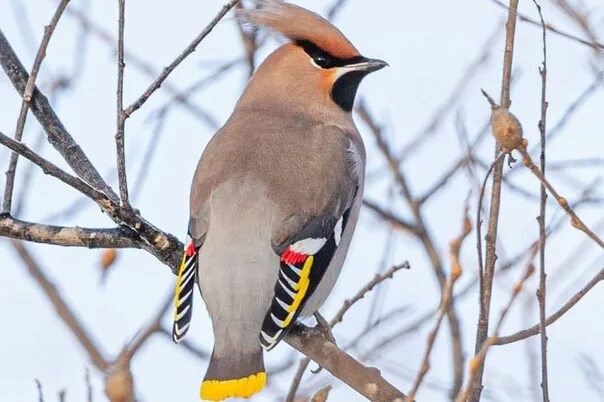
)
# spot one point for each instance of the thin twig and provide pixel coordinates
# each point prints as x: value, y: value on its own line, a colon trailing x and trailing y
x: 542, y: 292
x: 365, y: 380
x: 121, y: 115
x: 142, y: 65
x: 188, y: 50
x: 338, y: 317
x: 162, y: 245
x: 27, y: 97
x: 152, y: 328
x: 594, y: 45
x: 479, y: 224
x: 491, y: 238
x: 423, y: 234
x: 534, y: 330
x: 62, y: 309
x: 57, y: 135
x: 67, y: 236
x: 335, y: 8
x: 478, y: 361
x: 40, y: 393
x: 575, y: 220
x: 89, y: 392
x: 445, y: 304
x: 437, y: 117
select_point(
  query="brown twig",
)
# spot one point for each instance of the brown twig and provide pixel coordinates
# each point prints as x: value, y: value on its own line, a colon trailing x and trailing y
x: 478, y: 361
x: 445, y: 304
x: 338, y: 317
x: 27, y: 97
x: 188, y: 50
x: 152, y: 328
x: 535, y: 329
x: 67, y: 236
x: 142, y: 65
x: 389, y: 217
x: 62, y: 309
x: 424, y: 236
x: 437, y: 117
x: 367, y: 381
x: 542, y: 292
x: 163, y: 245
x: 57, y: 135
x: 322, y: 394
x: 575, y: 220
x: 491, y: 239
x: 594, y: 45
x: 479, y: 224
x: 121, y: 115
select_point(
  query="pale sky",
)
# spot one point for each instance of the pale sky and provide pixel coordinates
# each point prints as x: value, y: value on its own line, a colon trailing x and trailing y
x: 429, y: 46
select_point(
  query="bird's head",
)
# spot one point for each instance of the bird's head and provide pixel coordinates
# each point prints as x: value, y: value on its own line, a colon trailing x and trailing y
x: 319, y: 71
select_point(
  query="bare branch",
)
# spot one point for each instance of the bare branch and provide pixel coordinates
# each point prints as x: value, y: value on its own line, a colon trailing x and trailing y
x: 491, y: 239
x: 188, y: 50
x: 143, y: 65
x: 162, y: 245
x: 445, y: 303
x: 56, y: 132
x: 389, y: 217
x: 524, y: 18
x: 121, y: 115
x: 62, y: 309
x: 379, y: 278
x: 67, y: 236
x: 423, y: 235
x: 575, y: 220
x: 27, y: 96
x: 542, y: 292
x: 534, y: 330
x: 367, y: 381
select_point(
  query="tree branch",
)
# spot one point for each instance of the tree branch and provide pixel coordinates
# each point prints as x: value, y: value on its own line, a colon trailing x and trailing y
x: 491, y: 237
x: 541, y: 292
x: 121, y: 115
x: 67, y: 236
x: 61, y: 308
x: 27, y: 95
x: 367, y: 381
x: 163, y: 246
x: 55, y: 131
x: 534, y: 330
x: 188, y: 50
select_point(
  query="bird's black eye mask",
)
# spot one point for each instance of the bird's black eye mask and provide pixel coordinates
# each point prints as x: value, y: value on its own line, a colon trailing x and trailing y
x: 345, y: 88
x: 325, y: 60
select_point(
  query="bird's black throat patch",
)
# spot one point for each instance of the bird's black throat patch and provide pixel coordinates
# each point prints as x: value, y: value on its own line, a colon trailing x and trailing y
x: 345, y: 89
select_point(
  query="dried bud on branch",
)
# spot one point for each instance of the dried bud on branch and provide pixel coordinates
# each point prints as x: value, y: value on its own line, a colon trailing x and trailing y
x: 505, y: 127
x: 119, y: 386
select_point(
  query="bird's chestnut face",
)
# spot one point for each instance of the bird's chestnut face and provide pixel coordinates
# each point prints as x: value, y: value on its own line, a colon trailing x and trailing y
x: 342, y: 76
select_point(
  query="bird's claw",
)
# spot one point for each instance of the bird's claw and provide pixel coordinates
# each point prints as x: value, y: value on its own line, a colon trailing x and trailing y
x: 324, y: 327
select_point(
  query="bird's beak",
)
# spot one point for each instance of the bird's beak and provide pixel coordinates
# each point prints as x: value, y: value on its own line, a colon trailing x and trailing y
x: 367, y: 65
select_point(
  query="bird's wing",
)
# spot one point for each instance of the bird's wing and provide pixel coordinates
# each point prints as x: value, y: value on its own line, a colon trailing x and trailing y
x: 305, y: 255
x: 183, y: 294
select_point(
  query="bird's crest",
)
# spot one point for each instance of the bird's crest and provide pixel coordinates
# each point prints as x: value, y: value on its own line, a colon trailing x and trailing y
x: 299, y: 24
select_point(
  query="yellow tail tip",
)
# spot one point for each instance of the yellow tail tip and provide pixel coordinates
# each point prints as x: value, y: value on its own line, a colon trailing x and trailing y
x: 218, y: 390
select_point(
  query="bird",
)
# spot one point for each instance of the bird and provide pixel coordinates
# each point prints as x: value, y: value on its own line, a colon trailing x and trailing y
x: 275, y: 197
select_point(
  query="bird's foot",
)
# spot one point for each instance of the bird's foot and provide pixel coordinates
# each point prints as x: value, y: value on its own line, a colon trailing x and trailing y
x: 324, y: 328
x: 511, y: 160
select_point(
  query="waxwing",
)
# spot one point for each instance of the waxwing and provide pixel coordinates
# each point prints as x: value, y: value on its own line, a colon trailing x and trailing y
x: 275, y: 198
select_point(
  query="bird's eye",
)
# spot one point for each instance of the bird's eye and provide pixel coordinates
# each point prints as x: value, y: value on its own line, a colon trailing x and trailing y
x: 321, y: 60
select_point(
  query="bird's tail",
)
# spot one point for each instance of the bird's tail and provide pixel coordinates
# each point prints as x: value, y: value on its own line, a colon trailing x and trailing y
x: 233, y: 375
